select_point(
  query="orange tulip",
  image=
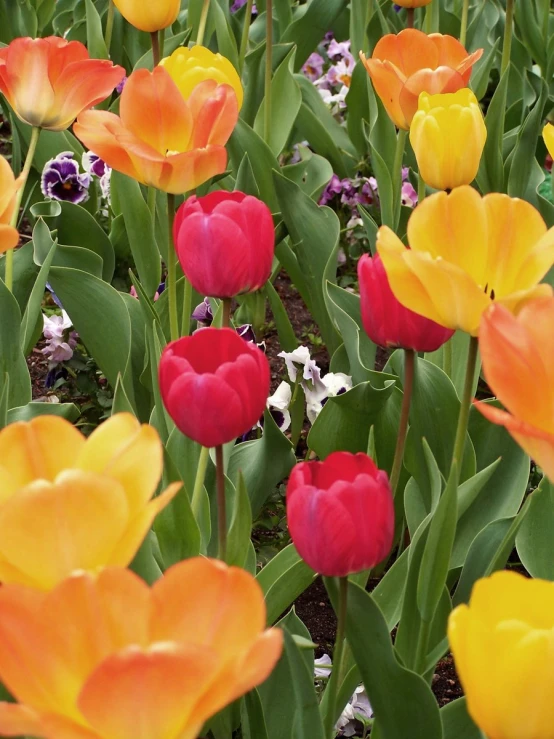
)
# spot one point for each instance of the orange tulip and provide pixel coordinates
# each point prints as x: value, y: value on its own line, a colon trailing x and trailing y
x: 518, y: 361
x: 109, y: 658
x: 161, y: 138
x: 9, y: 188
x: 403, y: 66
x: 68, y: 503
x: 49, y: 81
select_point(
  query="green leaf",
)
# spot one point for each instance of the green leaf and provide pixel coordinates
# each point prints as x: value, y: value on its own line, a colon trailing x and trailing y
x: 252, y: 717
x: 12, y: 360
x: 285, y: 331
x: 246, y: 182
x: 33, y: 310
x: 535, y: 537
x: 226, y: 43
x: 312, y: 173
x: 238, y: 541
x: 282, y: 580
x: 263, y: 162
x: 311, y: 27
x: 4, y: 391
x: 144, y: 563
x: 69, y: 411
x: 456, y: 722
x: 95, y: 38
x: 77, y: 227
x: 307, y: 723
x: 490, y: 177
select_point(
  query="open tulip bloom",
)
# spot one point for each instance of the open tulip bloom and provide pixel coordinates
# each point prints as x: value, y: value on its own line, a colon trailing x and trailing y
x: 9, y: 188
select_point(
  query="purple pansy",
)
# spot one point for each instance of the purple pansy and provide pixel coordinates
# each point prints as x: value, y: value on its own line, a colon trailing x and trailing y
x: 203, y: 313
x: 238, y: 4
x: 61, y: 179
x: 93, y: 164
x: 313, y: 68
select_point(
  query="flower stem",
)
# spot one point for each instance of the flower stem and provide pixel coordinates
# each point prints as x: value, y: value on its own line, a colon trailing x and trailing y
x: 35, y: 133
x: 508, y: 35
x: 336, y: 676
x: 465, y: 404
x: 172, y: 270
x: 109, y: 25
x: 221, y: 504
x: 245, y: 34
x: 268, y: 68
x: 409, y: 372
x: 187, y: 308
x: 463, y: 28
x: 397, y: 175
x: 421, y: 191
x: 422, y: 646
x: 226, y: 318
x: 410, y: 15
x: 155, y: 40
x: 203, y: 21
x: 447, y: 358
x: 199, y: 480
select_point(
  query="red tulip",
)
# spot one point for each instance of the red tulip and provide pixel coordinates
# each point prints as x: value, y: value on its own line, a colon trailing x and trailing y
x: 214, y: 385
x: 225, y: 243
x: 386, y: 321
x: 340, y: 513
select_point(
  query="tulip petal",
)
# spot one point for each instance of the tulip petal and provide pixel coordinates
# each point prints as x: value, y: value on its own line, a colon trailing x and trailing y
x: 432, y: 81
x: 148, y: 693
x: 128, y: 452
x: 9, y: 238
x: 548, y: 135
x: 16, y: 720
x: 48, y: 530
x: 215, y: 112
x: 59, y: 727
x: 410, y: 51
x: 388, y: 82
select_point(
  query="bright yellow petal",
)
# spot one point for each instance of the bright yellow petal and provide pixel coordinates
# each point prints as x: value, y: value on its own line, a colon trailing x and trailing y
x: 548, y: 135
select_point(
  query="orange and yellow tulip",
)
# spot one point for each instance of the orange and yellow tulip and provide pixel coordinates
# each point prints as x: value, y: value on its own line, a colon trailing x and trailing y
x: 518, y: 362
x: 412, y: 3
x: 160, y: 138
x: 189, y: 67
x: 68, y: 503
x: 109, y: 658
x: 403, y: 66
x: 548, y: 136
x: 49, y: 81
x: 503, y: 647
x: 149, y: 16
x: 466, y: 252
x: 9, y: 188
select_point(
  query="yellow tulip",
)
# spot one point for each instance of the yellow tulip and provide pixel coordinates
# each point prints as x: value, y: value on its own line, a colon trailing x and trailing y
x: 9, y: 187
x: 189, y: 67
x: 110, y: 658
x: 548, y: 136
x: 68, y: 503
x: 448, y: 134
x: 467, y: 251
x: 503, y: 647
x: 149, y: 15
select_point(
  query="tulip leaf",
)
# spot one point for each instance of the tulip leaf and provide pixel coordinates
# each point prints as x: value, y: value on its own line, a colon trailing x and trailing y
x: 50, y: 144
x: 285, y: 331
x: 245, y: 181
x: 312, y: 173
x: 69, y: 411
x: 32, y: 313
x: 12, y: 360
x: 307, y: 721
x: 282, y: 580
x: 95, y: 37
x: 311, y: 27
x: 535, y: 537
x: 238, y: 540
x: 180, y: 39
x: 490, y: 177
x: 77, y: 227
x: 4, y: 392
x: 246, y: 141
x: 457, y: 723
x: 144, y: 563
x: 252, y: 717
x: 226, y: 43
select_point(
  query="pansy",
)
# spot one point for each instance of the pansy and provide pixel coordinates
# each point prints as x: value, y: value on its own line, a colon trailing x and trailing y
x: 409, y: 195
x: 278, y: 405
x: 59, y: 343
x: 300, y: 359
x: 313, y: 68
x: 61, y: 179
x: 203, y: 313
x: 333, y: 384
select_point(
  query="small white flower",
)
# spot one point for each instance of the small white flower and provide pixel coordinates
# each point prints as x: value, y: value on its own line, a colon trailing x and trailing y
x: 54, y: 329
x: 301, y: 358
x: 321, y: 669
x: 278, y: 405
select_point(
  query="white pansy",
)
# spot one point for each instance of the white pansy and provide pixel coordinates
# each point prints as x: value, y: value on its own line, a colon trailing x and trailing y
x: 278, y: 405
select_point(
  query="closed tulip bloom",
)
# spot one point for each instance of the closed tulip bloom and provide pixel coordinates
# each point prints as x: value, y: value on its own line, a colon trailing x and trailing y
x: 9, y: 188
x: 340, y: 513
x: 386, y: 321
x: 214, y: 385
x: 548, y: 136
x: 189, y: 67
x: 518, y: 353
x: 110, y: 658
x: 49, y: 81
x: 448, y: 135
x: 503, y: 647
x: 468, y: 251
x: 159, y: 138
x: 403, y: 66
x: 412, y: 3
x: 68, y: 503
x: 149, y: 16
x: 225, y: 243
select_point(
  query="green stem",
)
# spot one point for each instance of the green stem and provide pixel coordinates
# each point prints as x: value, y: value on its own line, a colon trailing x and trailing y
x: 221, y: 504
x: 172, y: 270
x: 410, y: 16
x: 155, y: 41
x: 245, y: 34
x: 187, y: 309
x: 336, y: 676
x: 152, y: 194
x: 35, y: 133
x: 162, y: 42
x: 465, y: 16
x: 421, y: 191
x: 268, y: 68
x: 109, y: 25
x: 226, y: 317
x: 546, y: 20
x: 203, y: 22
x: 409, y: 372
x: 397, y: 174
x: 508, y: 35
x: 447, y: 358
x: 422, y: 646
x: 465, y: 404
x: 199, y: 481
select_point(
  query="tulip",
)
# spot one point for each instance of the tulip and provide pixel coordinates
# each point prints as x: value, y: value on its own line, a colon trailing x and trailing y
x: 502, y: 645
x: 149, y: 16
x: 68, y: 503
x: 412, y: 3
x: 517, y: 360
x: 110, y: 658
x: 189, y: 67
x: 403, y: 66
x: 340, y: 513
x: 548, y: 136
x: 161, y: 139
x: 9, y: 188
x: 466, y: 252
x: 49, y: 81
x: 225, y: 243
x: 448, y: 135
x: 386, y: 321
x: 214, y: 385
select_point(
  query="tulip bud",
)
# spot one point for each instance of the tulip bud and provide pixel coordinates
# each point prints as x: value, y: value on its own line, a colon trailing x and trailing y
x: 340, y: 513
x: 548, y: 136
x: 214, y: 385
x: 448, y: 135
x: 386, y: 321
x: 149, y: 16
x: 225, y: 243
